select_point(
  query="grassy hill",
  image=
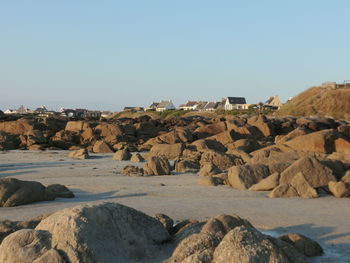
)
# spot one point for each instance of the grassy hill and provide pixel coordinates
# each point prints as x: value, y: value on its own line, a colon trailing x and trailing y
x: 319, y: 101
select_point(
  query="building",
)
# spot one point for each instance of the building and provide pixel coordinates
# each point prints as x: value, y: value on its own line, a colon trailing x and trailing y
x: 273, y: 102
x: 210, y: 106
x: 190, y: 105
x: 334, y: 85
x: 235, y: 103
x: 106, y: 114
x: 92, y: 114
x: 165, y: 105
x: 40, y: 110
x: 23, y: 110
x: 152, y: 107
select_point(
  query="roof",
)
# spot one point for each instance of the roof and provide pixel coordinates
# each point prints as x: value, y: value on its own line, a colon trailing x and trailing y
x: 201, y: 104
x: 191, y: 103
x: 163, y: 103
x: 236, y: 100
x: 154, y: 104
x: 211, y: 105
x: 274, y: 101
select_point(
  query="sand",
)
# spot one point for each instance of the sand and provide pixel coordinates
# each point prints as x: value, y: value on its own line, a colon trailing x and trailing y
x: 325, y: 219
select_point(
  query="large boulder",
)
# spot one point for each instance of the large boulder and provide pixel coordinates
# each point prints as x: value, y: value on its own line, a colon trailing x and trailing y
x: 266, y: 184
x: 206, y: 144
x: 262, y: 124
x: 102, y: 147
x: 244, y: 176
x: 178, y: 135
x: 14, y: 192
x: 111, y: 133
x: 157, y: 165
x: 170, y: 151
x: 339, y: 189
x: 210, y: 130
x: 107, y: 232
x: 321, y: 141
x: 186, y: 166
x: 122, y: 155
x: 209, y: 169
x: 131, y: 170
x: 19, y: 127
x: 137, y: 158
x: 29, y: 246
x: 221, y: 160
x: 315, y: 173
x: 342, y: 145
x: 76, y: 126
x: 303, y: 244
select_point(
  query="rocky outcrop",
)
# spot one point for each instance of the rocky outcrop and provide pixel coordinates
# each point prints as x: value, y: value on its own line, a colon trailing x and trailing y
x: 102, y: 147
x: 339, y: 189
x: 137, y: 158
x: 169, y: 151
x: 122, y: 155
x: 80, y: 154
x: 221, y: 160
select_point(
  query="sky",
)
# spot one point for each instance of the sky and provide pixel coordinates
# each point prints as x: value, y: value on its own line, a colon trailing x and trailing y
x: 108, y: 54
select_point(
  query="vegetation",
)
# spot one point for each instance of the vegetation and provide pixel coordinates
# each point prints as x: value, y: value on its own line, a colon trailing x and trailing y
x: 319, y: 101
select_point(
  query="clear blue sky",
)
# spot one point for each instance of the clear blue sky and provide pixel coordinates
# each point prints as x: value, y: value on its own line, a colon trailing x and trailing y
x: 110, y: 54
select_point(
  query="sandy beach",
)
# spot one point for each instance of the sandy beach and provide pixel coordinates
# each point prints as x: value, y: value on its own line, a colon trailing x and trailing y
x: 324, y: 219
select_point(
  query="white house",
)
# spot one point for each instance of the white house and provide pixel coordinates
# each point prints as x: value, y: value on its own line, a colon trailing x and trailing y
x: 235, y: 103
x: 165, y: 105
x: 190, y: 105
x: 210, y: 106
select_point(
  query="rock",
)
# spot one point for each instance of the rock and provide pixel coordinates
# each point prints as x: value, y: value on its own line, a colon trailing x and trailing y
x: 14, y: 192
x: 209, y: 169
x: 210, y: 130
x: 205, y: 144
x: 111, y: 133
x: 186, y: 166
x: 321, y: 142
x: 303, y: 244
x: 221, y: 160
x: 225, y: 137
x: 102, y: 147
x: 293, y: 134
x: 166, y: 221
x: 342, y: 145
x: 262, y: 124
x: 210, y: 181
x: 169, y: 151
x: 76, y: 126
x: 315, y: 173
x: 107, y: 232
x: 302, y: 187
x: 339, y: 189
x: 344, y: 130
x: 80, y: 154
x: 244, y: 176
x: 122, y: 155
x: 266, y: 184
x: 19, y: 127
x: 157, y: 165
x: 283, y: 190
x: 131, y: 170
x: 247, y: 245
x: 179, y: 135
x: 58, y: 190
x: 27, y: 246
x: 137, y: 158
x: 246, y: 145
x: 346, y: 177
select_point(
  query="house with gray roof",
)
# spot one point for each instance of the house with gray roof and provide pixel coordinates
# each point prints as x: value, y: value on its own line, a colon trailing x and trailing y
x: 235, y: 103
x: 165, y: 105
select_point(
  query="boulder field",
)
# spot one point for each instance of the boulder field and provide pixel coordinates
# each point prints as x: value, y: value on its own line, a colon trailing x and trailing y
x: 111, y: 232
x: 289, y: 156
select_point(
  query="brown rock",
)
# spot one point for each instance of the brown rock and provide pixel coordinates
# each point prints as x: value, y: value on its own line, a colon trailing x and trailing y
x: 157, y: 165
x: 210, y: 130
x: 339, y: 189
x: 137, y: 158
x: 206, y: 144
x: 266, y: 184
x: 102, y: 147
x: 169, y: 151
x: 262, y: 124
x: 58, y: 190
x: 302, y: 187
x: 321, y: 142
x: 80, y: 154
x: 221, y: 160
x: 342, y: 146
x: 283, y: 190
x: 131, y: 170
x: 246, y: 145
x: 122, y: 155
x: 244, y: 176
x: 315, y: 173
x: 210, y: 181
x: 303, y: 244
x: 186, y: 166
x: 209, y: 169
x: 166, y: 221
x: 346, y: 177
